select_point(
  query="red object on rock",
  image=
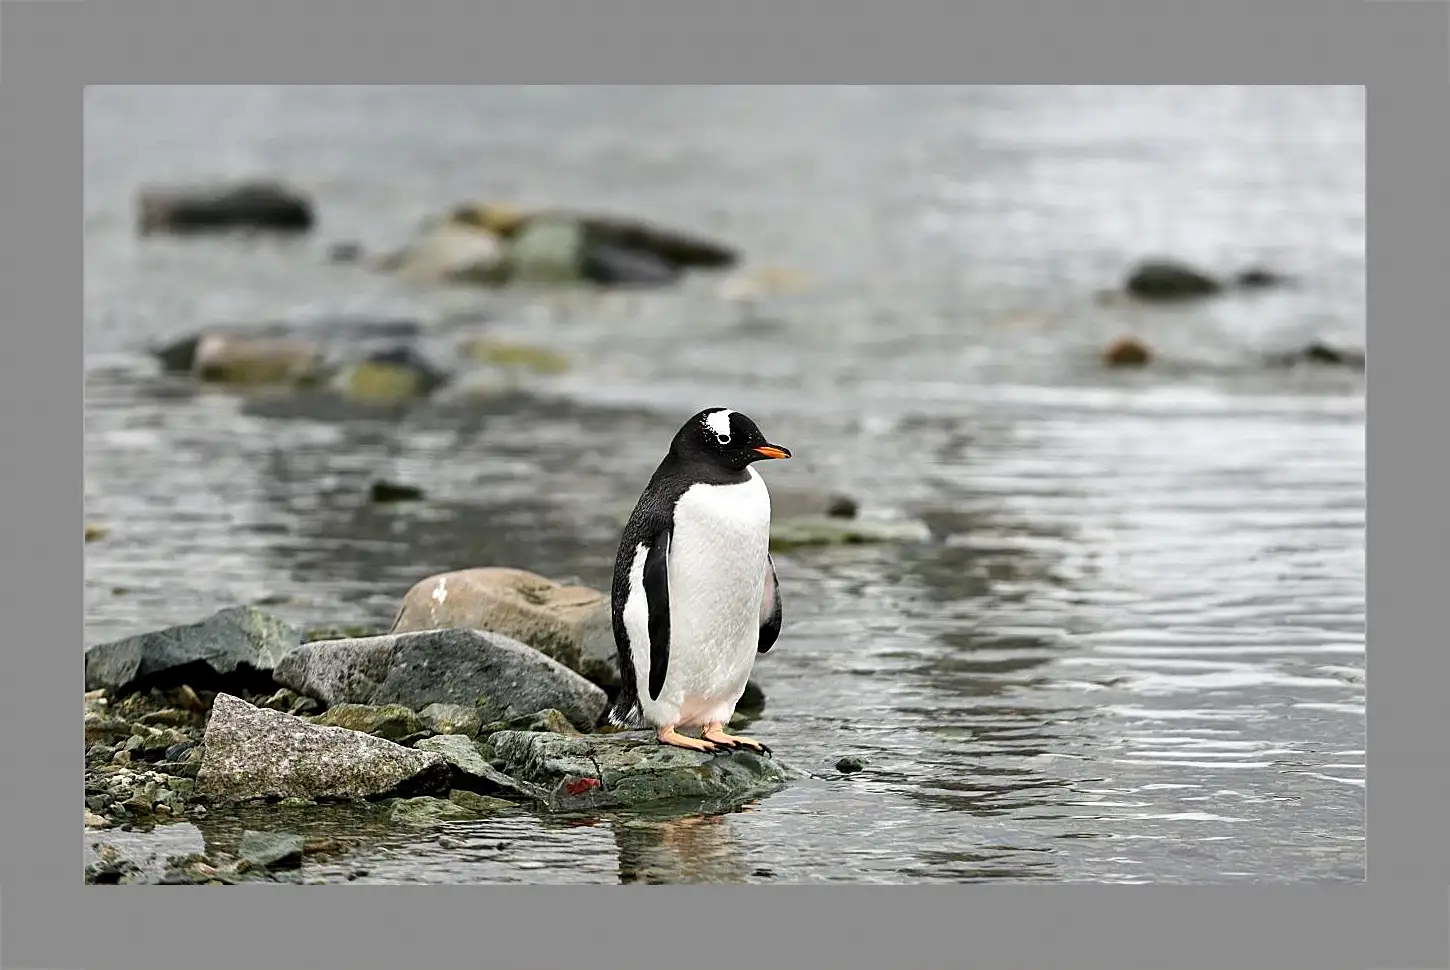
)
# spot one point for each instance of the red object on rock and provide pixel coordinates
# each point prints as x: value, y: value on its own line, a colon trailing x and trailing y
x: 581, y: 786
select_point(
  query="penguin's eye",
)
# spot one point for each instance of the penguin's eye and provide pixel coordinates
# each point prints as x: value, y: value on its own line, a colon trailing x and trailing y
x: 724, y: 439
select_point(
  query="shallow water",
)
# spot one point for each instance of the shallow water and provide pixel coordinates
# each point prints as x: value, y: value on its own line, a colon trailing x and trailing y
x: 1133, y: 650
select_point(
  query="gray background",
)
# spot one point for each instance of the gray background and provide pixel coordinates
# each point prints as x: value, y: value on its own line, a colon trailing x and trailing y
x: 1298, y: 919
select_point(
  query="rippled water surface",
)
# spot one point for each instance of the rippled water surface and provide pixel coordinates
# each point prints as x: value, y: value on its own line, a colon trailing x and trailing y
x: 1134, y: 648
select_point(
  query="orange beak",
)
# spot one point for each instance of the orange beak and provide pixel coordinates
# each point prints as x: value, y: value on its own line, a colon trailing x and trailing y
x: 773, y: 451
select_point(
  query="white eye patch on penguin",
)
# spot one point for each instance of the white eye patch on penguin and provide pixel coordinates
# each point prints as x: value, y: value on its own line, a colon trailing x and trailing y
x: 695, y: 597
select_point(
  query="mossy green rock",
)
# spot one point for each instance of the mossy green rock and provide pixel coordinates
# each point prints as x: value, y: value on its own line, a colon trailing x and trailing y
x: 498, y: 353
x: 550, y: 720
x: 479, y: 804
x: 375, y: 381
x: 633, y: 771
x: 457, y: 807
x: 808, y: 531
x: 392, y: 721
x: 451, y: 719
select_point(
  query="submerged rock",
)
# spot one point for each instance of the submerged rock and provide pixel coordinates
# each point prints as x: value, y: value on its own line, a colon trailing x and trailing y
x: 1126, y: 352
x: 563, y: 246
x: 251, y: 752
x: 486, y: 350
x: 499, y: 676
x: 570, y: 624
x: 256, y: 205
x: 1322, y: 354
x: 95, y: 533
x: 1260, y: 278
x: 795, y: 503
x: 183, y: 354
x: 271, y: 850
x: 396, y: 374
x: 384, y: 491
x: 234, y: 649
x: 633, y: 771
x: 679, y: 248
x: 809, y: 531
x: 426, y: 811
x: 1163, y: 280
x: 345, y: 251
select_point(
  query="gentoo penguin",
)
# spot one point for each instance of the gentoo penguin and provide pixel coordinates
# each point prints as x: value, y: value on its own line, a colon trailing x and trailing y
x: 695, y: 596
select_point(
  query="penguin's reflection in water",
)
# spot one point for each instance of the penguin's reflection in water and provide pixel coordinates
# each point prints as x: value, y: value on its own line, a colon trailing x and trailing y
x: 692, y: 849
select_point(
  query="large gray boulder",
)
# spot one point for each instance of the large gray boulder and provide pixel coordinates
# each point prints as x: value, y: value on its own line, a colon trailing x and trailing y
x: 495, y: 674
x: 632, y: 771
x: 571, y: 624
x: 251, y: 752
x: 235, y: 648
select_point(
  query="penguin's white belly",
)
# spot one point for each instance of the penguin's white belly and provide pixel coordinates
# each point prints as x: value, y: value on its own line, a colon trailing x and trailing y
x: 716, y: 579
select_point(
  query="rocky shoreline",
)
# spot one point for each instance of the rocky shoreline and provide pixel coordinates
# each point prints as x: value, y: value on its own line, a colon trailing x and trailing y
x: 414, y: 727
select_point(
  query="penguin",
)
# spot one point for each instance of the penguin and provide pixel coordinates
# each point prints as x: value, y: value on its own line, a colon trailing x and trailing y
x: 695, y: 597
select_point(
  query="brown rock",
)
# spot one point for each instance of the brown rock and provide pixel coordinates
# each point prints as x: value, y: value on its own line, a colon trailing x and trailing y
x: 1126, y: 352
x: 570, y: 624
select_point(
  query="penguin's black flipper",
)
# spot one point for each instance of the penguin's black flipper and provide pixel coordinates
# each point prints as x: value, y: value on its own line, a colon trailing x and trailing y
x: 769, y: 608
x: 657, y: 601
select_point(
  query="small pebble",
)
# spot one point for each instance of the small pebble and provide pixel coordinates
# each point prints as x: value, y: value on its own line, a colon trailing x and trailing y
x: 1127, y: 352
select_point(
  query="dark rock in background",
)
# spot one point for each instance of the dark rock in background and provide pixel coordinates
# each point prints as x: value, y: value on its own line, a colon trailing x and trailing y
x: 256, y: 205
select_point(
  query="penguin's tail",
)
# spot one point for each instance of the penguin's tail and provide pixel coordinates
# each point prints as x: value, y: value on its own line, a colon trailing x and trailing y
x: 625, y: 715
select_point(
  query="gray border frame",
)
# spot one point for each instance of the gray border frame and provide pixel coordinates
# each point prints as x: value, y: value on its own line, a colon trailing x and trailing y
x: 48, y: 50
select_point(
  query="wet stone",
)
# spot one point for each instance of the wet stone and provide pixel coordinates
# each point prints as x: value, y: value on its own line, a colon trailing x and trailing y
x: 271, y: 850
x: 633, y: 770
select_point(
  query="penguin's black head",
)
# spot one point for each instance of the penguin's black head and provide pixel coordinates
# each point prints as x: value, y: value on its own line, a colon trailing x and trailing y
x: 724, y: 438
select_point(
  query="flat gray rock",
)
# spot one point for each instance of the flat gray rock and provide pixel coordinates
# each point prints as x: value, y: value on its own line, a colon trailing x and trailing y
x: 632, y: 771
x: 498, y: 676
x: 251, y: 752
x: 234, y: 648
